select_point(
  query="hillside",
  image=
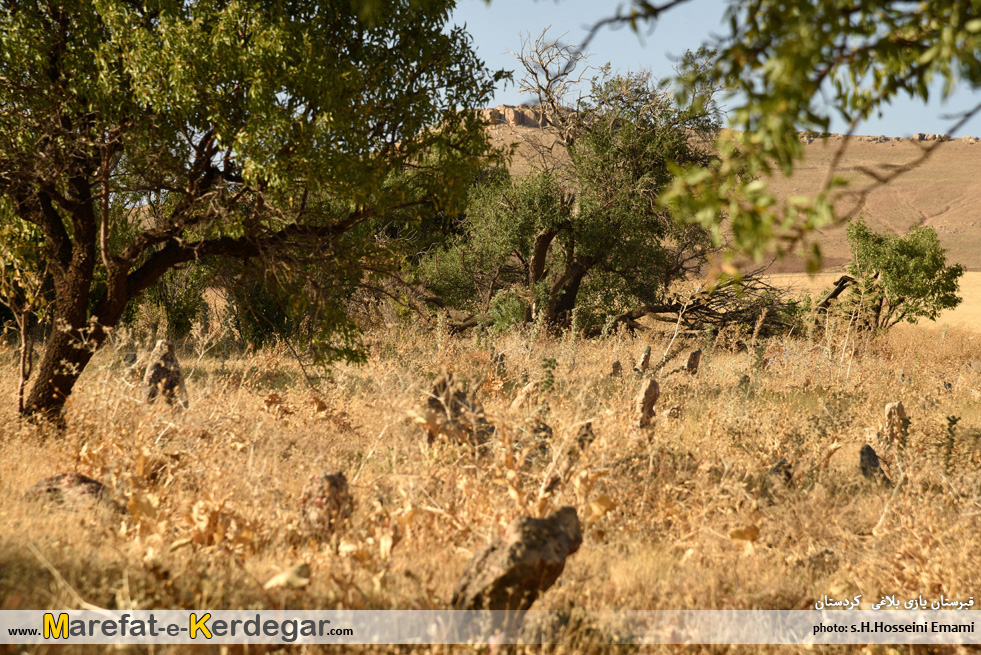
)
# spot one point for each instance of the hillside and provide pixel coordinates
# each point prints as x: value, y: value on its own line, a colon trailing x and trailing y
x: 942, y: 192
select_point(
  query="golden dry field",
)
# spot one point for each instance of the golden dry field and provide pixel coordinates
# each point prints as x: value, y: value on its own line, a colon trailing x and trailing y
x: 682, y: 515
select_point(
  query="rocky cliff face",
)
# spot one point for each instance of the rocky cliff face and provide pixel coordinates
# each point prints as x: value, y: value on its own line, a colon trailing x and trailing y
x: 519, y: 116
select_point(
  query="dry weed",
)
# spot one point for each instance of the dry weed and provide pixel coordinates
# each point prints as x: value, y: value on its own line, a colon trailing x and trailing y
x: 689, y: 517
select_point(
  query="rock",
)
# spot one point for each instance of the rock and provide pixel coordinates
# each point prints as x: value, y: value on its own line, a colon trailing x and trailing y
x: 585, y: 437
x: 541, y: 430
x: 693, y: 360
x: 644, y: 362
x: 672, y: 412
x: 512, y: 571
x: 524, y: 395
x: 296, y: 577
x: 454, y: 412
x: 782, y: 469
x: 649, y: 392
x: 492, y: 116
x: 73, y: 491
x: 896, y: 421
x: 163, y: 375
x: 326, y: 503
x: 617, y: 369
x: 869, y: 464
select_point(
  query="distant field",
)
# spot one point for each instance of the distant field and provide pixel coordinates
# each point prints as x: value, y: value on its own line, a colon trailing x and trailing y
x: 968, y: 314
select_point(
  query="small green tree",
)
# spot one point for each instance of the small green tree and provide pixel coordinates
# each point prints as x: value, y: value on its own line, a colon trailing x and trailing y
x: 585, y: 230
x: 899, y: 277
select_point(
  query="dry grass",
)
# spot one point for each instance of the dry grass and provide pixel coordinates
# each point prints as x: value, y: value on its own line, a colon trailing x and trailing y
x: 213, y: 491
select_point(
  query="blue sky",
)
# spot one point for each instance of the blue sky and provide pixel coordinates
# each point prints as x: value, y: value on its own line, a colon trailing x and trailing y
x: 497, y: 27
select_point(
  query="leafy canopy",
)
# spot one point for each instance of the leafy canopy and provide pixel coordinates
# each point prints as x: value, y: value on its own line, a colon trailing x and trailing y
x: 901, y: 277
x: 136, y: 137
x: 585, y: 231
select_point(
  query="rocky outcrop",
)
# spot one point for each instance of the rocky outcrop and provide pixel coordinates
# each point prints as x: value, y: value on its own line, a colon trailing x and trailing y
x: 512, y: 571
x: 520, y: 116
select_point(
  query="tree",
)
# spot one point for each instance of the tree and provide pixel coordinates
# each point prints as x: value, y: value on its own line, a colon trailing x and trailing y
x: 23, y: 287
x: 205, y: 130
x: 788, y: 66
x: 898, y: 278
x: 588, y: 224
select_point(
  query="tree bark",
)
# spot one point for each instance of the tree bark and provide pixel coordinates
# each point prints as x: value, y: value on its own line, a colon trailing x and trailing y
x: 69, y: 348
x: 565, y: 290
x: 539, y: 256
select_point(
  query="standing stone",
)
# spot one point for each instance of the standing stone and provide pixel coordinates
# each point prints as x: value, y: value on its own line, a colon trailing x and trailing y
x: 617, y: 369
x: 645, y: 361
x: 541, y: 439
x: 500, y: 366
x: 895, y: 421
x: 869, y: 465
x: 561, y: 471
x: 693, y: 360
x: 524, y: 395
x: 163, y: 375
x: 455, y: 413
x: 649, y: 393
x: 326, y: 503
x: 511, y: 572
x: 585, y: 436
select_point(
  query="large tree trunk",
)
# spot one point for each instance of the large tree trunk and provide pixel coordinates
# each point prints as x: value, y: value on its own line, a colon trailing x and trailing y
x: 536, y: 271
x: 565, y: 290
x: 65, y: 357
x: 73, y: 339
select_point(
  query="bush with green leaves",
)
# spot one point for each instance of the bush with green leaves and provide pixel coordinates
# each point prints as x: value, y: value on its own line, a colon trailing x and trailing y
x: 585, y: 233
x: 899, y: 277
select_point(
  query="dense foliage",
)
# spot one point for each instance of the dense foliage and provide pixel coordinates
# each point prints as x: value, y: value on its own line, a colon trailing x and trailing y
x: 137, y: 138
x: 586, y: 233
x: 790, y: 67
x: 900, y: 277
